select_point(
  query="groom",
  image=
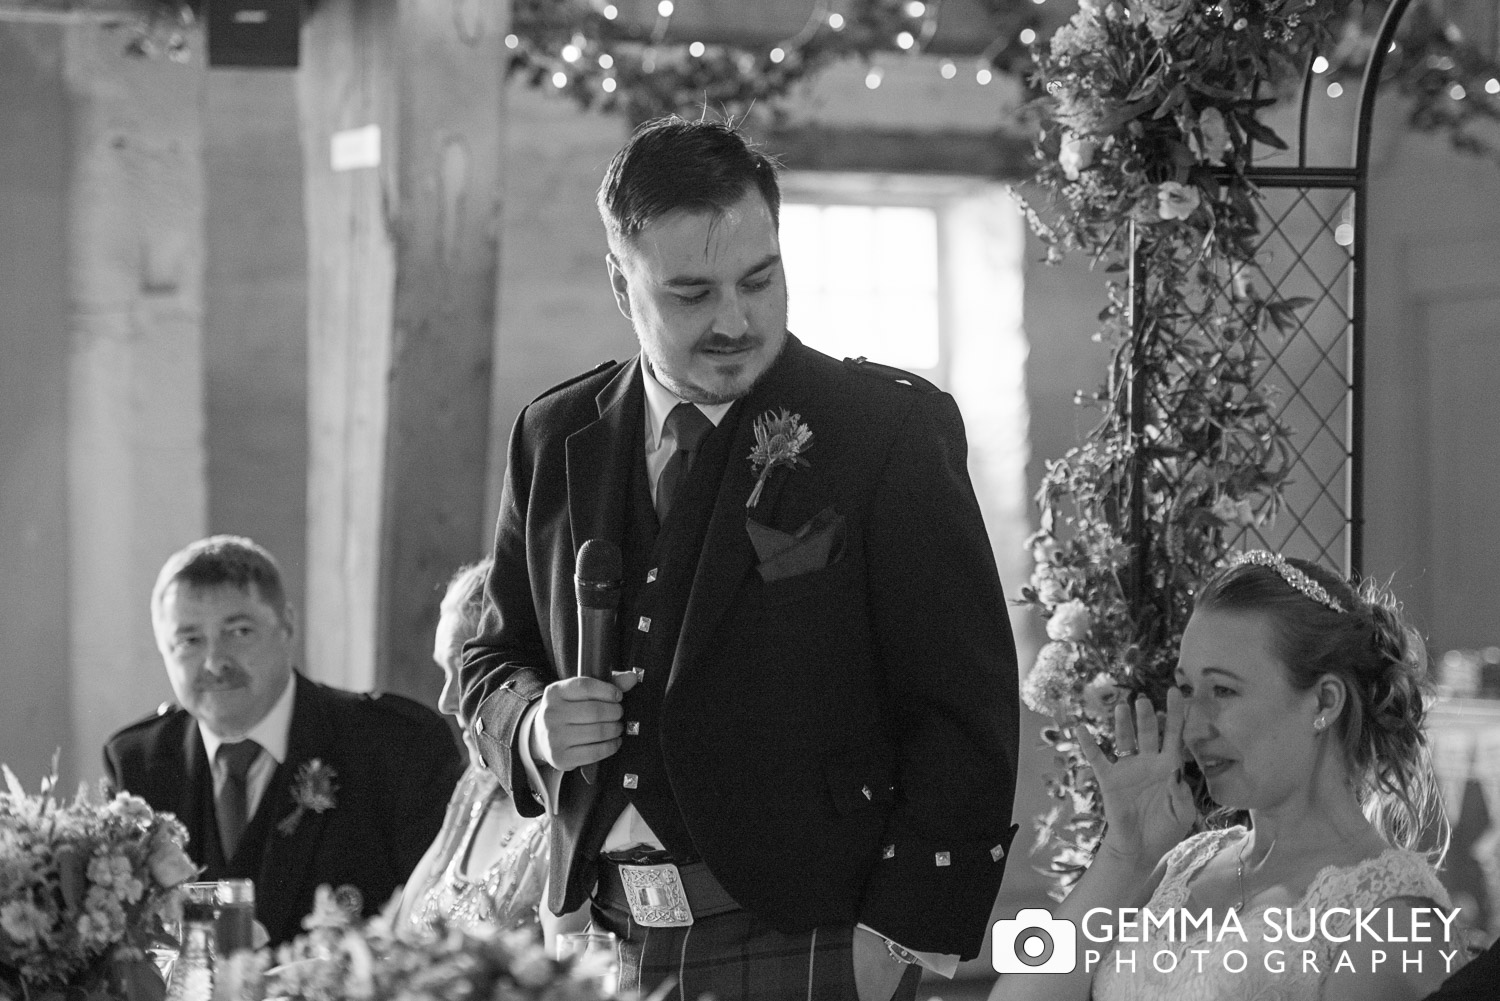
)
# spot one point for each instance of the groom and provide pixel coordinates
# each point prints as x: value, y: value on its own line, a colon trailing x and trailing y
x: 806, y: 763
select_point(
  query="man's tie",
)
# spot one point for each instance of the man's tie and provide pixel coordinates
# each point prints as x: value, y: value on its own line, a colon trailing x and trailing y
x: 687, y: 425
x: 232, y: 803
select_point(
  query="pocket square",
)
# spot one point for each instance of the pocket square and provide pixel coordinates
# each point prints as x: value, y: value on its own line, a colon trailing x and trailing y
x: 815, y: 545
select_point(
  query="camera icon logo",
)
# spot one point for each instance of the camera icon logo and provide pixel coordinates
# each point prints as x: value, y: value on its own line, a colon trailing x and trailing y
x: 1034, y: 942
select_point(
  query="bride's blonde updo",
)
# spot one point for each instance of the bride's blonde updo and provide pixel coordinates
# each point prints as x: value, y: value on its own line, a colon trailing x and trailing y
x: 1322, y: 625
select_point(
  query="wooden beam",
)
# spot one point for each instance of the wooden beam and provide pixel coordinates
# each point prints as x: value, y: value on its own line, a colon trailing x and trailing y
x: 999, y: 155
x: 404, y: 263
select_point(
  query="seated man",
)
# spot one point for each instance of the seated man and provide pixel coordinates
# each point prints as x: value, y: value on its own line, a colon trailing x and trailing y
x: 277, y: 778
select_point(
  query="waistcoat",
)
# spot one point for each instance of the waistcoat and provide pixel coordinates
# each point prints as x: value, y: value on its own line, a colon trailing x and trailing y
x: 659, y: 565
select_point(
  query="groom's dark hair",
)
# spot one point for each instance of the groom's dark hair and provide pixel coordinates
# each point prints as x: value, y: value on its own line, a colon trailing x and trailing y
x: 671, y: 163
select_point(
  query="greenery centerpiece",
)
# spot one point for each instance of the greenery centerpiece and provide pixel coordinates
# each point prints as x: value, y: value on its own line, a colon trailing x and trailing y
x: 1150, y: 128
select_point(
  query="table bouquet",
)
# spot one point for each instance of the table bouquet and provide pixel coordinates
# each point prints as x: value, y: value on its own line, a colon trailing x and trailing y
x: 85, y: 889
x: 341, y: 958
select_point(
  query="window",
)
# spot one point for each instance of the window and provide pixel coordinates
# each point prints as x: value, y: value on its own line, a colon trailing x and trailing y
x: 863, y: 280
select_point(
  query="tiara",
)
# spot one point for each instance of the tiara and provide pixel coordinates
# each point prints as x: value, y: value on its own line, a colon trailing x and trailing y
x: 1296, y: 578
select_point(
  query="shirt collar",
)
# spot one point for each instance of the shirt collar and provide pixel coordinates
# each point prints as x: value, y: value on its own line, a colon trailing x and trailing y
x: 660, y: 401
x: 271, y: 733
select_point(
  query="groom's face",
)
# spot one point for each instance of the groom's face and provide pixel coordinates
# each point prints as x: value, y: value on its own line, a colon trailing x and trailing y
x: 707, y: 297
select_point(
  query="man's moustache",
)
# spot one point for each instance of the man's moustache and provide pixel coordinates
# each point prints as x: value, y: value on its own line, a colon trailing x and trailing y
x: 224, y: 681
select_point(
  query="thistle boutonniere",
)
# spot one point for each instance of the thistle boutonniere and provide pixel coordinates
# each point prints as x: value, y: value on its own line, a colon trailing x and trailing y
x: 312, y: 789
x: 780, y: 440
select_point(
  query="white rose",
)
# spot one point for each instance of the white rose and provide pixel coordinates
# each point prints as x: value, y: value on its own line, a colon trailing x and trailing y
x: 1070, y: 622
x: 1215, y: 133
x: 170, y: 865
x: 1076, y: 154
x: 1176, y: 201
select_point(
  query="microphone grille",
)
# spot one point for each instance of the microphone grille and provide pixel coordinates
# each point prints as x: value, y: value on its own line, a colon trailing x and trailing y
x: 600, y: 562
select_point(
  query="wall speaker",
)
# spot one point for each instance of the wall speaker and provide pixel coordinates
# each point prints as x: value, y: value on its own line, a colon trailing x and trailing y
x: 253, y: 32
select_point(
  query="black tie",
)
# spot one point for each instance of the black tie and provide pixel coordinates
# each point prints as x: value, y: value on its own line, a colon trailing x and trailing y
x: 687, y: 425
x: 232, y: 803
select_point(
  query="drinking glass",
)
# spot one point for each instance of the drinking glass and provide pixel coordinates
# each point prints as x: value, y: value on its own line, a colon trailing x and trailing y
x: 595, y: 955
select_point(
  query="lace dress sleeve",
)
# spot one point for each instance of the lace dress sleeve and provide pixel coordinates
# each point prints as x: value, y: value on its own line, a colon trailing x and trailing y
x: 1183, y: 861
x: 1394, y: 873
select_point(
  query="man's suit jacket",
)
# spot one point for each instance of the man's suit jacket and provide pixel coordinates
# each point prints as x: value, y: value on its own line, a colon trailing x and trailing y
x: 841, y: 743
x: 394, y: 764
x: 1477, y: 981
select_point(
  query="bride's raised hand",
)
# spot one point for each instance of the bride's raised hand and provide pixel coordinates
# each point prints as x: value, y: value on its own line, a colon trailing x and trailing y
x: 1147, y: 804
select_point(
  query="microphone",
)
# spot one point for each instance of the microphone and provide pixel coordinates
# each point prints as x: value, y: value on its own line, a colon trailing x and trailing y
x: 596, y: 581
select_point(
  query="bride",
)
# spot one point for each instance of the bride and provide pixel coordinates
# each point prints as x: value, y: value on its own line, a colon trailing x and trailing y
x: 1298, y: 699
x: 488, y: 865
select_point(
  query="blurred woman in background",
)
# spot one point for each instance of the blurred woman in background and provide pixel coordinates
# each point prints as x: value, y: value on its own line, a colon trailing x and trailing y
x: 488, y: 865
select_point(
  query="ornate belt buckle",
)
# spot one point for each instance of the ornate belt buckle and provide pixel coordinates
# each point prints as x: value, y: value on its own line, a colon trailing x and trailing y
x: 656, y: 896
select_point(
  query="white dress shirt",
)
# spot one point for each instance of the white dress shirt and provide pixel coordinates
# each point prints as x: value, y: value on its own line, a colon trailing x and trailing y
x: 272, y: 734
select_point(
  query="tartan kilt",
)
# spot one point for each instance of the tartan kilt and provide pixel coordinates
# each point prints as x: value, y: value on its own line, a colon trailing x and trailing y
x: 738, y: 957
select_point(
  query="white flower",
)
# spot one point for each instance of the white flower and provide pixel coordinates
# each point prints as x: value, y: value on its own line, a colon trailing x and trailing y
x: 1100, y: 696
x: 1070, y: 621
x: 1076, y: 154
x: 1163, y: 15
x: 170, y: 865
x: 131, y: 808
x: 1231, y: 511
x: 23, y: 922
x: 1049, y: 686
x: 1215, y: 133
x: 1176, y: 201
x: 1050, y: 590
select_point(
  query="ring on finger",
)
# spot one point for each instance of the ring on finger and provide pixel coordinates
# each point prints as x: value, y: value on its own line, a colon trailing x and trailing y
x: 1130, y: 753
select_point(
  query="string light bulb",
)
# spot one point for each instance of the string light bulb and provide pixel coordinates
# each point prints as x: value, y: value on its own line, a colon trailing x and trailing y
x: 1027, y: 36
x: 696, y: 50
x: 905, y: 40
x: 1335, y: 89
x: 571, y: 53
x: 606, y: 60
x: 610, y: 12
x: 665, y: 8
x: 836, y: 21
x: 1320, y: 65
x: 778, y: 54
x: 1457, y: 92
x: 873, y: 78
x: 1492, y: 86
x: 559, y: 79
x: 984, y: 76
x: 948, y: 69
x: 511, y: 41
x: 916, y: 9
x: 608, y: 83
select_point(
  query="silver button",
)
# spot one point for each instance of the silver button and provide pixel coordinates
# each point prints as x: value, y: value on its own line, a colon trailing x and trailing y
x: 633, y: 729
x: 651, y: 575
x: 943, y: 858
x: 890, y: 852
x: 632, y: 780
x: 997, y: 853
x: 645, y: 624
x: 866, y: 791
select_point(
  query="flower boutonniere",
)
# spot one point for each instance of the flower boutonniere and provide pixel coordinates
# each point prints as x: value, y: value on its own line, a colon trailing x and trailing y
x: 780, y: 440
x: 312, y: 789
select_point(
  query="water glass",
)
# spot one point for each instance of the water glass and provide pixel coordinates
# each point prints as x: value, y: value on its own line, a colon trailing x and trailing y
x: 595, y: 955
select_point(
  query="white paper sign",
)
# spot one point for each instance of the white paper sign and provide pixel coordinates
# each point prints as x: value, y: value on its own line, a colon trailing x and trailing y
x: 353, y: 149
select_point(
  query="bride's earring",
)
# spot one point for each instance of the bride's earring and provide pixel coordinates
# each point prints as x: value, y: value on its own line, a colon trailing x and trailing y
x: 1320, y: 724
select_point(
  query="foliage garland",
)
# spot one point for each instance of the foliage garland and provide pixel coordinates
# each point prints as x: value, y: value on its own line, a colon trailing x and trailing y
x: 576, y: 47
x: 1150, y: 128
